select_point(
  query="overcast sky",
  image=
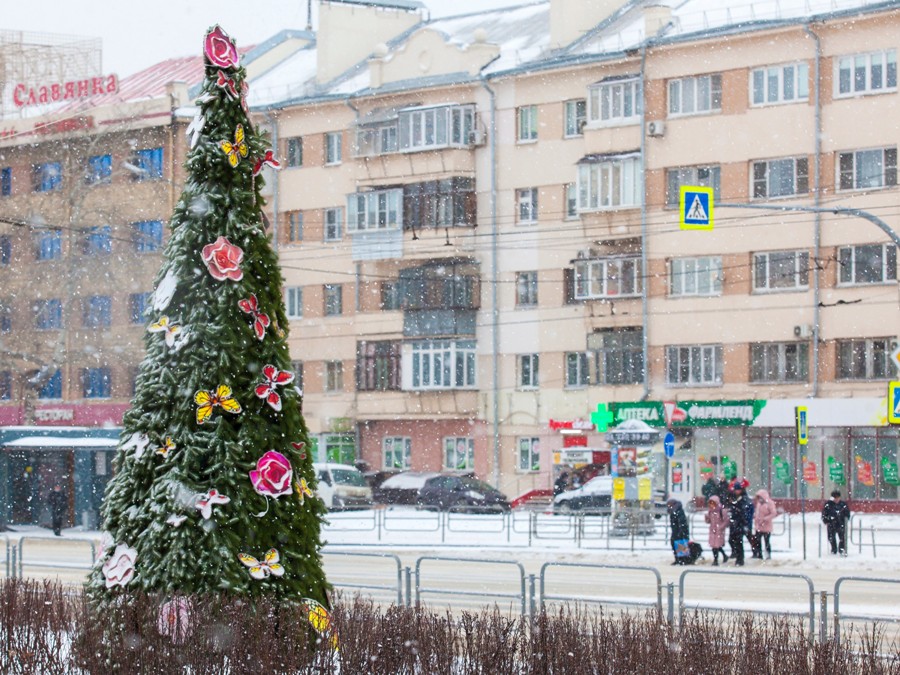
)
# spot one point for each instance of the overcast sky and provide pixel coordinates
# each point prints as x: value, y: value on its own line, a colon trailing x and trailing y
x: 138, y: 34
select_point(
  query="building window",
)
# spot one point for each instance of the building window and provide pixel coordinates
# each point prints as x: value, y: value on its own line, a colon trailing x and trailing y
x: 872, y: 264
x: 705, y: 176
x: 526, y: 289
x: 5, y: 385
x: 96, y: 382
x: 865, y: 359
x: 397, y: 452
x: 334, y: 376
x: 334, y: 147
x: 98, y: 241
x: 294, y: 154
x: 867, y: 168
x: 333, y: 299
x: 529, y: 454
x: 377, y: 210
x: 97, y: 311
x: 390, y: 296
x: 49, y: 245
x: 779, y: 362
x: 334, y: 224
x: 436, y: 127
x: 98, y: 169
x: 695, y: 95
x: 52, y: 388
x: 295, y: 226
x: 448, y: 202
x: 48, y: 314
x: 46, y: 177
x: 576, y: 117
x: 616, y: 100
x: 5, y: 315
x: 148, y: 236
x: 609, y: 183
x: 377, y: 139
x: 5, y: 250
x: 695, y: 276
x: 137, y: 305
x: 780, y: 84
x: 696, y: 365
x: 459, y: 453
x: 297, y: 370
x: 781, y: 270
x: 571, y: 201
x: 527, y: 205
x: 620, y: 355
x: 442, y: 364
x: 6, y: 181
x: 147, y: 164
x: 781, y: 177
x: 527, y: 122
x: 378, y: 366
x: 608, y: 277
x: 867, y: 73
x: 294, y: 302
x: 578, y: 372
x: 529, y: 371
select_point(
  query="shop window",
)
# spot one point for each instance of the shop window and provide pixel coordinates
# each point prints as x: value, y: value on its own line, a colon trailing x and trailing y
x: 529, y: 369
x: 529, y: 455
x: 459, y: 453
x: 397, y: 452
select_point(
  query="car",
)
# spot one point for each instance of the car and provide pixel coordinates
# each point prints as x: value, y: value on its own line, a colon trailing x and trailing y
x: 461, y: 493
x: 595, y: 494
x: 402, y: 488
x: 341, y: 486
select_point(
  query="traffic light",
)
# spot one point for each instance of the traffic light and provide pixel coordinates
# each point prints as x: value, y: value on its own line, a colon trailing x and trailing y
x: 643, y: 461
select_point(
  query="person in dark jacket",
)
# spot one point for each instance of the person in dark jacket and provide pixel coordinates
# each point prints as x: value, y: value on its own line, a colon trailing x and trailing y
x: 561, y: 484
x: 740, y: 524
x: 724, y: 491
x: 710, y: 488
x: 58, y: 503
x: 678, y: 526
x: 835, y: 515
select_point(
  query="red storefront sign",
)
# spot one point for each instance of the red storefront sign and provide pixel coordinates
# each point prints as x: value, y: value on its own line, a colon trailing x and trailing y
x: 23, y: 95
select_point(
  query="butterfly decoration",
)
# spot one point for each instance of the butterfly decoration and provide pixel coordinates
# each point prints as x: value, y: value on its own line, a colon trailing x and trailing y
x: 245, y: 89
x: 274, y: 378
x: 227, y: 84
x: 195, y: 128
x: 260, y: 321
x: 205, y: 502
x: 207, y: 400
x: 261, y: 569
x: 166, y: 447
x: 237, y: 149
x: 319, y: 618
x: 138, y: 442
x: 302, y: 488
x: 175, y: 520
x: 165, y: 326
x: 267, y: 160
x: 301, y: 448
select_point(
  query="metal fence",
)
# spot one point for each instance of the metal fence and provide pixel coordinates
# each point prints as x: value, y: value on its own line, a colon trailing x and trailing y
x: 520, y: 596
x: 844, y: 616
x: 19, y: 550
x: 610, y: 600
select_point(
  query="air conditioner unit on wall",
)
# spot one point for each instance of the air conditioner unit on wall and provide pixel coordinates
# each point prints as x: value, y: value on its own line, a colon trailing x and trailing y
x: 476, y: 137
x: 803, y: 331
x: 656, y: 128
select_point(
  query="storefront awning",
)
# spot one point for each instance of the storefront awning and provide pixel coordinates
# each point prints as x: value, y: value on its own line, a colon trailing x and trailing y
x: 59, y: 438
x: 57, y: 443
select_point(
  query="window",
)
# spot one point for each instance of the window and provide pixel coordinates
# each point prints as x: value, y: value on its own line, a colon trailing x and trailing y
x: 609, y: 183
x: 137, y: 305
x: 696, y: 365
x: 378, y: 366
x: 97, y: 311
x: 397, y: 452
x: 620, y: 356
x: 377, y: 139
x: 147, y: 164
x: 294, y: 152
x: 333, y: 299
x: 459, y: 454
x: 334, y: 224
x: 780, y: 270
x: 148, y: 235
x: 695, y: 95
x: 46, y: 177
x: 436, y: 127
x: 334, y: 376
x: 780, y: 84
x: 607, y: 277
x: 5, y: 315
x: 48, y: 314
x: 52, y: 387
x: 297, y: 370
x: 448, y: 202
x: 526, y: 121
x: 294, y: 302
x: 5, y: 385
x: 865, y: 359
x: 695, y: 276
x: 6, y: 181
x: 5, y: 250
x: 866, y: 73
x: 526, y: 289
x: 377, y: 210
x: 576, y: 117
x: 779, y: 362
x: 571, y: 201
x: 98, y: 240
x: 527, y: 205
x: 295, y: 226
x: 615, y: 100
x: 334, y: 147
x: 781, y: 177
x: 442, y: 364
x: 96, y: 382
x: 872, y: 264
x: 529, y: 454
x: 49, y: 245
x: 529, y: 369
x: 98, y: 169
x: 390, y: 295
x: 578, y: 372
x: 867, y: 168
x: 705, y: 176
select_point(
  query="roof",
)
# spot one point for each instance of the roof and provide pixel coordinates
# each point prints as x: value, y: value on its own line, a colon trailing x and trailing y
x: 393, y: 4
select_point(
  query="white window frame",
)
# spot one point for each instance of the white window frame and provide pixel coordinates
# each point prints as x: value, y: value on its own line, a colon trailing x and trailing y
x: 575, y: 121
x: 334, y: 148
x: 876, y: 359
x: 699, y: 276
x: 527, y: 124
x: 439, y: 365
x: 396, y: 452
x: 452, y: 451
x: 529, y: 371
x: 376, y: 210
x: 694, y: 365
x: 612, y: 184
x: 779, y: 84
x: 608, y: 278
x: 528, y: 454
x: 615, y: 102
x: 332, y: 299
x: 763, y: 283
x: 430, y: 127
x: 886, y: 63
x: 333, y: 382
x: 764, y: 173
x: 886, y: 178
x: 527, y: 206
x: 571, y: 201
x: 293, y: 301
x: 527, y: 289
x: 333, y: 223
x: 783, y: 354
x: 847, y: 264
x: 577, y: 364
x: 703, y: 91
x: 704, y: 176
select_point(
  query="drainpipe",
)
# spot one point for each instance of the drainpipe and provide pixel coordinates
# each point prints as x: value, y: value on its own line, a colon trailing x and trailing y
x: 273, y: 123
x: 817, y: 197
x: 357, y: 296
x: 645, y: 313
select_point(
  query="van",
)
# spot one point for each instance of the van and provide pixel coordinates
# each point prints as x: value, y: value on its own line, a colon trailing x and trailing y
x: 341, y: 486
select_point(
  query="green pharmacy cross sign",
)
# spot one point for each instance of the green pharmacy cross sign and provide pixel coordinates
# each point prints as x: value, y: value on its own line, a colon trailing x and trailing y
x: 603, y: 417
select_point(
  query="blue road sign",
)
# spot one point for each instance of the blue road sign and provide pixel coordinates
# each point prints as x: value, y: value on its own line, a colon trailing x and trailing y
x: 669, y: 445
x: 894, y: 403
x: 696, y: 206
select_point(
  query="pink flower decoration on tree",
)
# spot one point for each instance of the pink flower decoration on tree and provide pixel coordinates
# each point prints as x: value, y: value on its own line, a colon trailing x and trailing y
x: 223, y: 260
x: 175, y: 619
x: 273, y: 475
x: 119, y: 568
x: 219, y: 49
x: 274, y: 378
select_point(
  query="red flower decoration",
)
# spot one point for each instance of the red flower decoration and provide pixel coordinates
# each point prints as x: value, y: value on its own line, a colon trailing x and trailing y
x: 274, y: 378
x: 301, y: 448
x: 268, y: 160
x: 223, y: 260
x: 219, y: 49
x: 273, y: 475
x: 260, y: 321
x: 227, y: 84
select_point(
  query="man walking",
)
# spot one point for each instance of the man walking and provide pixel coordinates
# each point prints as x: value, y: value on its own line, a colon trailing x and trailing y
x: 58, y: 503
x: 835, y: 515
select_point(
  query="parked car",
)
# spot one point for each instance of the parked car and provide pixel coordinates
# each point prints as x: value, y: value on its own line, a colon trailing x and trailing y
x: 342, y: 486
x: 402, y: 488
x: 461, y: 493
x: 595, y: 494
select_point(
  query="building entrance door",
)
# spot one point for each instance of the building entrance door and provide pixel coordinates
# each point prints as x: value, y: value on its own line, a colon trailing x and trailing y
x: 681, y: 473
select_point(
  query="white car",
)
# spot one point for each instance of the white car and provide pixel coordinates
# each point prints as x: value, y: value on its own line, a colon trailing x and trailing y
x: 342, y: 486
x: 595, y: 494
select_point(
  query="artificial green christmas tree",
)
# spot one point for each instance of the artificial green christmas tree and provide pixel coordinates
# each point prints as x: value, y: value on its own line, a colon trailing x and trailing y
x: 213, y: 484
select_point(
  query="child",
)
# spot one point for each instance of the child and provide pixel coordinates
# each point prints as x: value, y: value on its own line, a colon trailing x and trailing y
x: 717, y: 517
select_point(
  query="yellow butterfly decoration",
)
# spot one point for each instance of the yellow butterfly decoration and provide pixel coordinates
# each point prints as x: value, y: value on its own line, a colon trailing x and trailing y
x: 319, y: 618
x: 166, y: 447
x: 302, y: 489
x: 170, y: 329
x: 237, y: 149
x: 208, y: 400
x: 261, y: 570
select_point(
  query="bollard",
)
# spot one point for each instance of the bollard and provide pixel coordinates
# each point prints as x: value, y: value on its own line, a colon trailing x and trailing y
x: 859, y: 536
x: 13, y: 558
x: 379, y: 517
x: 408, y: 583
x: 532, y: 603
x: 823, y: 616
x: 670, y: 610
x: 872, y: 532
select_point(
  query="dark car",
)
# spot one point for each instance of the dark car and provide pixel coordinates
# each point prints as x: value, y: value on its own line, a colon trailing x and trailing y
x: 461, y: 493
x: 401, y: 488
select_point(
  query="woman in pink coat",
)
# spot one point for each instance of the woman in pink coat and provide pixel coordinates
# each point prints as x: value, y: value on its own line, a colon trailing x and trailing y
x: 763, y: 515
x: 717, y: 516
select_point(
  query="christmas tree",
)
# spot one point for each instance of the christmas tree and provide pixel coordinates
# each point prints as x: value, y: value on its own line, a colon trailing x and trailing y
x: 213, y: 484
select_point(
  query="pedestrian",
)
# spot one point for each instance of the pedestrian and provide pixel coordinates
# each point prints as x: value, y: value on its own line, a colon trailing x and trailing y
x: 724, y: 491
x: 717, y: 516
x: 58, y: 503
x: 763, y: 516
x: 835, y: 515
x: 561, y: 483
x: 710, y: 487
x: 680, y: 532
x: 739, y: 524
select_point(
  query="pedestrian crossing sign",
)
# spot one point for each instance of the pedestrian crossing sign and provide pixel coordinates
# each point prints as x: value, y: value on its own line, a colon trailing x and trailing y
x: 696, y: 206
x: 893, y: 411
